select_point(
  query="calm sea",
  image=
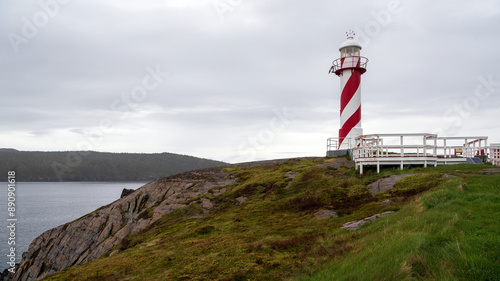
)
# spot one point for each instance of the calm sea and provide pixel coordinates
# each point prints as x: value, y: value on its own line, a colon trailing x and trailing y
x: 41, y: 206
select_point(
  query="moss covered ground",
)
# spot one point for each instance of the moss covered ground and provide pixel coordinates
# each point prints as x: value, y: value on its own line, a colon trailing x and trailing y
x: 445, y: 228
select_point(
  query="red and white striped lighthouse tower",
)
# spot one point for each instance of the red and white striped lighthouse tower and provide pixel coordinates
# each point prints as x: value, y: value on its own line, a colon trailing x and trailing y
x: 349, y: 68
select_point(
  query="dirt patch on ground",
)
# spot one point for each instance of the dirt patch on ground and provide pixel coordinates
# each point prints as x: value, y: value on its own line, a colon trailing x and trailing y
x: 338, y: 163
x: 491, y: 171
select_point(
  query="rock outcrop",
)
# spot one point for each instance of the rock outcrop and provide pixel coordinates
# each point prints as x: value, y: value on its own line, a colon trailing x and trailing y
x: 94, y: 234
x: 353, y: 225
x: 126, y: 192
x: 326, y: 214
x: 385, y: 184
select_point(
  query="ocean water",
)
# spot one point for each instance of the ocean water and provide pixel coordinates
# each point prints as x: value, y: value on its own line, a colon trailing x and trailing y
x: 41, y: 206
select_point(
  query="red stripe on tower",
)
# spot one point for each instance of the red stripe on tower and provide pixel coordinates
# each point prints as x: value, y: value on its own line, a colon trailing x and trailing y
x: 350, y: 88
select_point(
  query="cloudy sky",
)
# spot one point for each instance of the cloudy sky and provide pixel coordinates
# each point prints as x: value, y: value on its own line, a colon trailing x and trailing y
x: 240, y: 80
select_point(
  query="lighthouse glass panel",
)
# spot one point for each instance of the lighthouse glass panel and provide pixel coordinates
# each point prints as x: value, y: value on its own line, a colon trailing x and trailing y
x: 350, y: 52
x: 356, y: 52
x: 345, y: 52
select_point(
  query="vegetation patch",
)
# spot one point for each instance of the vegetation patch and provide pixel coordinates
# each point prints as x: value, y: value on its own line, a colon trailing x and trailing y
x: 146, y: 214
x: 416, y: 184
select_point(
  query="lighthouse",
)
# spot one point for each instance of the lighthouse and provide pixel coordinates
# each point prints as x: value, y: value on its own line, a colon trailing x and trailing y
x: 349, y: 67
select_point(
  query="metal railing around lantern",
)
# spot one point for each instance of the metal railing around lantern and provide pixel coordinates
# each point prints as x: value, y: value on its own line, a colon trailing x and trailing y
x: 356, y: 62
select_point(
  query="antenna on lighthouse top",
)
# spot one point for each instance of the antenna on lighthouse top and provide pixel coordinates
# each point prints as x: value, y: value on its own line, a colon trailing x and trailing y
x: 350, y: 34
x: 350, y: 42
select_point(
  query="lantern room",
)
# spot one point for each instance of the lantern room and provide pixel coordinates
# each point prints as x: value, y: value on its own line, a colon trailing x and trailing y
x: 350, y: 48
x: 350, y: 56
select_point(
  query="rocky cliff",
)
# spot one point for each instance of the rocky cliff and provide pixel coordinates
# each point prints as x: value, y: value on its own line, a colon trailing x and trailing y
x: 94, y: 234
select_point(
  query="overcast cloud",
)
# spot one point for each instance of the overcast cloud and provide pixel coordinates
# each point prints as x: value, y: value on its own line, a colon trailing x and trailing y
x: 240, y: 80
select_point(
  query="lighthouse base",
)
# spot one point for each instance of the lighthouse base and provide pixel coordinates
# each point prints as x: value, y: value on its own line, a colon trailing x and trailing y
x: 339, y: 153
x: 349, y: 141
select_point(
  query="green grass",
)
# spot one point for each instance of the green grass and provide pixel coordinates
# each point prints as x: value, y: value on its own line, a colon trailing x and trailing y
x: 451, y: 232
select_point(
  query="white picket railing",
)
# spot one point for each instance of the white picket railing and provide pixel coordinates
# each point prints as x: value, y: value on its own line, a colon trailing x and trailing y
x: 419, y: 149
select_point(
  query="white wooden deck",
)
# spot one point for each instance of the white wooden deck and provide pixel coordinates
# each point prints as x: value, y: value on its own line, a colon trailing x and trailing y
x: 419, y: 149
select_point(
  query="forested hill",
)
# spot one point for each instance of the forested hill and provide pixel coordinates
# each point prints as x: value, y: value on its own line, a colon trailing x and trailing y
x: 95, y: 166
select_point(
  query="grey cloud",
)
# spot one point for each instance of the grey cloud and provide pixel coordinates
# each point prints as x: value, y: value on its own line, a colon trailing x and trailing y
x: 227, y: 76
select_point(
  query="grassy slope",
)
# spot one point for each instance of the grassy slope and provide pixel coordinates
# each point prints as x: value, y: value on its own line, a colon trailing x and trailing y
x: 449, y: 233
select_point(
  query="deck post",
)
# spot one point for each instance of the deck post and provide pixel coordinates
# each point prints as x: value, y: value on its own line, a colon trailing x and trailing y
x: 378, y: 146
x: 402, y: 148
x: 434, y: 151
x: 445, y: 149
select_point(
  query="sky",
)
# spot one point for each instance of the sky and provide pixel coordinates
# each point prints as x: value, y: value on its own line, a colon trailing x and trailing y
x: 240, y: 80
